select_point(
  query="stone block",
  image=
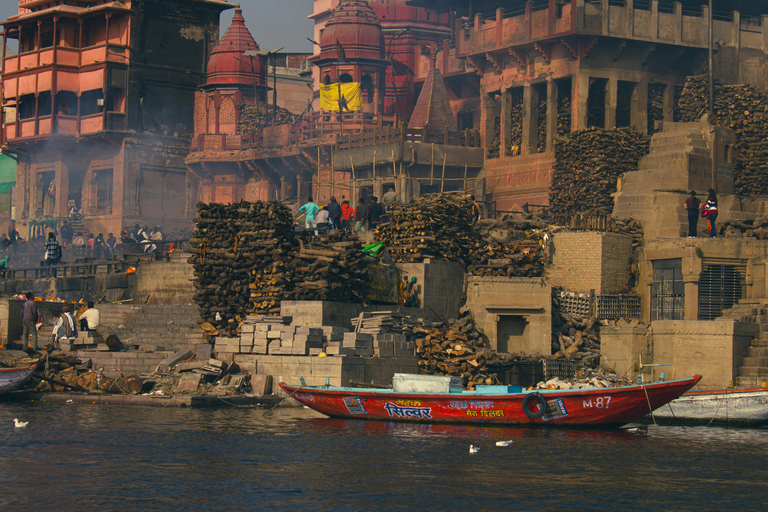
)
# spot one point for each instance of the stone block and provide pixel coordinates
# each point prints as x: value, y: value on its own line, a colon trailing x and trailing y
x: 204, y: 351
x: 332, y: 329
x: 299, y: 350
x: 315, y: 351
x: 246, y: 338
x: 170, y: 361
x: 247, y: 328
x: 333, y: 344
x: 364, y: 352
x: 188, y: 383
x: 357, y: 336
x: 358, y: 344
x: 261, y: 384
x: 274, y: 335
x: 261, y: 327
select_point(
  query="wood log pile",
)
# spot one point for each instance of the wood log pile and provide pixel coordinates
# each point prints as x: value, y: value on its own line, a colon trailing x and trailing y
x: 751, y: 228
x: 494, y: 146
x: 608, y: 224
x: 541, y: 132
x: 229, y: 242
x: 459, y: 350
x: 743, y: 109
x: 257, y: 117
x: 329, y: 268
x: 574, y: 336
x: 429, y: 226
x: 522, y: 258
x: 564, y: 113
x: 516, y: 122
x: 655, y: 105
x: 587, y: 166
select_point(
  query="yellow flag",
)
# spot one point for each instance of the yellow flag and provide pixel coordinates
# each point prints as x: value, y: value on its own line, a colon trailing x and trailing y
x: 351, y: 97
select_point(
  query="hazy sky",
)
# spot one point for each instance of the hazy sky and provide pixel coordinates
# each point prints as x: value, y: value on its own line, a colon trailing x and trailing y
x: 273, y: 23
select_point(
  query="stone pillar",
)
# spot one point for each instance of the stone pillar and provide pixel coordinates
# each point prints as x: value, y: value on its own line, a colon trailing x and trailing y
x: 605, y: 11
x: 764, y: 33
x: 283, y: 187
x: 639, y: 112
x: 62, y: 190
x: 579, y: 99
x: 736, y: 30
x: 530, y: 119
x: 654, y: 19
x: 552, y: 94
x: 629, y: 5
x: 611, y: 100
x: 678, y: 21
x: 506, y: 122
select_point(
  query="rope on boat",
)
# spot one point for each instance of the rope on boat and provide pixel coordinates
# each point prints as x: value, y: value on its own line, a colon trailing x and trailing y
x: 650, y: 409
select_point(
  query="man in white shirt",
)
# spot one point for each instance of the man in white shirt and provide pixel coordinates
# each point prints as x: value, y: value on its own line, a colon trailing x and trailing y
x: 89, y: 318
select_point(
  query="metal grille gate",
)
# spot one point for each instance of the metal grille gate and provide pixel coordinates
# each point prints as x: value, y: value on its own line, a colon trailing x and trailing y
x: 668, y: 290
x: 720, y: 287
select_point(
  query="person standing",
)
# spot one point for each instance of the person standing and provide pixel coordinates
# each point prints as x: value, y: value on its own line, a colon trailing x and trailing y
x: 361, y: 215
x: 111, y: 242
x: 67, y: 233
x: 89, y: 318
x: 52, y: 252
x: 374, y: 213
x: 29, y: 316
x: 65, y: 328
x: 474, y: 212
x: 13, y: 235
x: 334, y: 212
x: 692, y: 205
x: 710, y: 212
x: 310, y: 210
x: 347, y: 215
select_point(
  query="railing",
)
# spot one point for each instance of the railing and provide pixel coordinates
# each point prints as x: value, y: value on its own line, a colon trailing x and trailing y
x: 100, y: 267
x: 363, y: 138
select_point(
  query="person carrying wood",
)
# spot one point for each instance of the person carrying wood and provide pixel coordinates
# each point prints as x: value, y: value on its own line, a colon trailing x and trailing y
x: 310, y: 210
x: 692, y: 205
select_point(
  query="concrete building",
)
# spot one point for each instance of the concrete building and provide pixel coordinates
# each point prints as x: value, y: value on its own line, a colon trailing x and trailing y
x: 98, y: 103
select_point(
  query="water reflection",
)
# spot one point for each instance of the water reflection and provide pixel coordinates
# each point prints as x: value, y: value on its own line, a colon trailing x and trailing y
x: 74, y: 457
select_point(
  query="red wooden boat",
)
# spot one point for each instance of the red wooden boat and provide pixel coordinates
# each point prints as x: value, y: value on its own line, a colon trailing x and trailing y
x: 486, y: 405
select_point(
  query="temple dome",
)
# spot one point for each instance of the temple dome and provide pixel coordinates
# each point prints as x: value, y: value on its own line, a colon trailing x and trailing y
x: 227, y: 66
x: 356, y: 27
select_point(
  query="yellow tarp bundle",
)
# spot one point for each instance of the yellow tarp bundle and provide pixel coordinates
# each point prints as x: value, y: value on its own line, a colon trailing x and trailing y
x: 352, y: 98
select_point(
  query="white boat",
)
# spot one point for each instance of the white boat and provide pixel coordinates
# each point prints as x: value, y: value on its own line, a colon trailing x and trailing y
x: 737, y: 406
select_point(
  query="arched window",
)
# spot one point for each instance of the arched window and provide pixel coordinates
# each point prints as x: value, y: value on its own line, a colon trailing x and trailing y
x: 327, y: 80
x: 345, y: 78
x: 366, y: 85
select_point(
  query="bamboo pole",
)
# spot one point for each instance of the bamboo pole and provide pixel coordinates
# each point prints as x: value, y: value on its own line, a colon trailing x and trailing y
x: 465, y: 178
x: 432, y: 166
x: 374, y: 172
x: 442, y: 178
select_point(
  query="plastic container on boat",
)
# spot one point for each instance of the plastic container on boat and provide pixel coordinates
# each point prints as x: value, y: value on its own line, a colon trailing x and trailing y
x: 414, y: 383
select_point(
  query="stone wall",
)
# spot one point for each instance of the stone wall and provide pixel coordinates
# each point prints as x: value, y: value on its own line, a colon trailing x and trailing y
x: 165, y: 282
x: 589, y: 260
x: 519, y: 310
x: 621, y: 348
x: 714, y: 349
x: 440, y: 286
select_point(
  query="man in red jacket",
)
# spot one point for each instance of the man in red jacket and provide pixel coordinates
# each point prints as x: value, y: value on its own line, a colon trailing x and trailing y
x: 347, y: 215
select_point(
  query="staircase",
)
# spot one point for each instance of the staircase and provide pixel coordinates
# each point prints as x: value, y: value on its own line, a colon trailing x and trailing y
x: 77, y: 227
x: 754, y: 367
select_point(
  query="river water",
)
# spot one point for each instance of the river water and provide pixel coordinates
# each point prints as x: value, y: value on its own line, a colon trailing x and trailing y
x: 91, y: 457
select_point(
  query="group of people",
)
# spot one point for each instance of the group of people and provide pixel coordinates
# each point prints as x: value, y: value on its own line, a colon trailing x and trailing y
x: 149, y: 239
x: 708, y: 210
x: 342, y: 216
x: 66, y: 325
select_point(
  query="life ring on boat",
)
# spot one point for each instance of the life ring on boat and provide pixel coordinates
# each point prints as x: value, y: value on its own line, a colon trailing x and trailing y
x: 542, y: 405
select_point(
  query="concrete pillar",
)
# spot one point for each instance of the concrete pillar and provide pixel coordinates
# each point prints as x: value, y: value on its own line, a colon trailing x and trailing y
x: 736, y: 30
x: 551, y: 113
x: 639, y: 112
x: 284, y: 192
x: 611, y: 100
x: 764, y: 32
x: 579, y: 99
x: 605, y: 11
x: 506, y: 122
x: 630, y: 26
x: 530, y: 119
x: 678, y: 21
x: 654, y: 19
x: 62, y: 190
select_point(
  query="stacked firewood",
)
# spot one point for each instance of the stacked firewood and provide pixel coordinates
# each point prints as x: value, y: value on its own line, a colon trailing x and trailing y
x: 229, y: 242
x: 494, y: 147
x: 608, y: 224
x: 655, y: 105
x: 257, y: 117
x: 751, y: 228
x: 743, y: 109
x: 522, y: 258
x: 563, y: 114
x: 516, y: 122
x: 269, y: 286
x: 459, y: 350
x: 332, y: 268
x: 587, y: 166
x: 429, y: 226
x: 541, y: 133
x: 573, y: 336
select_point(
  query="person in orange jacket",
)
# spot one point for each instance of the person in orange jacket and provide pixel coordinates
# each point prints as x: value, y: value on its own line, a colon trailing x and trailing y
x: 347, y: 215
